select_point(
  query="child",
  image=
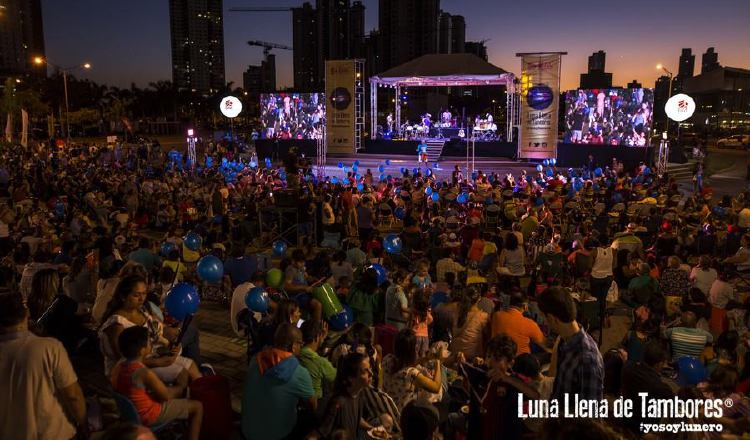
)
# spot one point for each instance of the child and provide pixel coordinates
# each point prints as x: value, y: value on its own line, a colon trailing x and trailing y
x: 155, y: 402
x: 422, y: 278
x: 421, y: 318
x: 343, y: 288
x: 396, y: 302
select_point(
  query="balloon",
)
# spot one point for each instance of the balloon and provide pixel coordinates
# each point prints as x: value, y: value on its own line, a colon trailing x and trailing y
x: 474, y: 175
x: 428, y: 190
x: 462, y: 198
x: 356, y: 164
x: 166, y: 248
x: 388, y: 162
x: 328, y: 299
x: 578, y: 185
x: 690, y: 371
x: 279, y: 248
x: 392, y: 244
x: 438, y: 298
x: 435, y: 197
x: 553, y: 161
x: 382, y: 273
x: 414, y: 171
x: 334, y: 180
x: 382, y: 178
x: 360, y: 187
x: 355, y: 168
x: 545, y: 162
x: 341, y: 164
x: 193, y: 241
x: 182, y: 300
x: 381, y: 168
x: 403, y: 170
x: 400, y: 213
x: 539, y: 168
x: 210, y: 269
x: 646, y: 171
x: 256, y: 299
x: 428, y: 172
x: 274, y: 278
x: 548, y: 172
x: 598, y: 172
x: 342, y: 320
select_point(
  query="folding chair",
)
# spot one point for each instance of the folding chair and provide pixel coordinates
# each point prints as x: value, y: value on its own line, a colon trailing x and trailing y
x: 385, y: 212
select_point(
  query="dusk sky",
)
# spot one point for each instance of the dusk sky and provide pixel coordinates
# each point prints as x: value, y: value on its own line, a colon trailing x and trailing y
x: 128, y: 41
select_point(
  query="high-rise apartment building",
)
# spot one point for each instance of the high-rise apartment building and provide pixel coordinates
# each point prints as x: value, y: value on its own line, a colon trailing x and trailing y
x: 710, y: 61
x: 197, y: 30
x: 21, y: 37
x: 687, y: 64
x: 408, y: 29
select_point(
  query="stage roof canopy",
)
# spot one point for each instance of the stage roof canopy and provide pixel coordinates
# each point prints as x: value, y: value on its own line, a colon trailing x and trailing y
x: 441, y: 70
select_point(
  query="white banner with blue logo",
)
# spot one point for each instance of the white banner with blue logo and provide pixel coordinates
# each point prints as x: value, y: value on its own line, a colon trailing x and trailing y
x: 340, y: 77
x: 540, y: 101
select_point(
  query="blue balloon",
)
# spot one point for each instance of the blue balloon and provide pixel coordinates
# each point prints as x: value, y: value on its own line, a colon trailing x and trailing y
x: 462, y: 198
x: 598, y: 172
x: 166, y: 248
x: 389, y: 177
x: 690, y: 371
x: 210, y: 269
x: 388, y: 162
x: 435, y: 197
x: 474, y: 175
x: 553, y: 161
x: 193, y: 241
x: 342, y: 320
x: 360, y: 187
x: 341, y: 164
x: 414, y: 171
x: 224, y: 161
x: 382, y: 178
x: 428, y: 172
x: 382, y: 273
x: 549, y: 172
x: 355, y: 168
x: 578, y: 185
x: 392, y: 244
x: 381, y: 168
x: 403, y: 170
x: 646, y: 171
x: 399, y: 213
x: 428, y: 190
x: 545, y: 162
x: 539, y: 168
x: 356, y: 163
x: 257, y: 300
x: 279, y: 248
x: 357, y: 177
x: 334, y: 180
x: 182, y: 300
x: 438, y: 298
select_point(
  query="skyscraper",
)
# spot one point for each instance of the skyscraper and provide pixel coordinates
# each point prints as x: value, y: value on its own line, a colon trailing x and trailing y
x: 597, y: 60
x: 21, y: 37
x: 710, y: 61
x: 197, y: 30
x: 451, y: 33
x: 408, y: 29
x: 687, y: 64
x: 333, y: 30
x: 596, y: 77
x: 478, y: 48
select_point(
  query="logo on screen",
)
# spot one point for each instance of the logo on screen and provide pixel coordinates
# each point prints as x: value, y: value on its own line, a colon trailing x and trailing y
x: 341, y: 98
x: 539, y: 97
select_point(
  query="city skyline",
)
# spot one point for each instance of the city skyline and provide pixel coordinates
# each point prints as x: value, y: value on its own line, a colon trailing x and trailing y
x: 105, y: 35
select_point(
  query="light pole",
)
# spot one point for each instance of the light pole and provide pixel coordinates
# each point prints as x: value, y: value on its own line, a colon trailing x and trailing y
x: 65, y: 71
x: 669, y: 93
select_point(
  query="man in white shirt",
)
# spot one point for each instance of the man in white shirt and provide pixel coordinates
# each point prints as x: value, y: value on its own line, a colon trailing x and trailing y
x: 741, y: 259
x: 37, y: 383
x: 238, y: 311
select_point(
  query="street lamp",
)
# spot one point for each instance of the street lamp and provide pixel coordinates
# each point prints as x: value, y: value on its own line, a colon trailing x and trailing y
x: 669, y: 93
x: 65, y: 71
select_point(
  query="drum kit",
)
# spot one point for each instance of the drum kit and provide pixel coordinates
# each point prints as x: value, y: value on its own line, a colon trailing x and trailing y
x: 485, y: 130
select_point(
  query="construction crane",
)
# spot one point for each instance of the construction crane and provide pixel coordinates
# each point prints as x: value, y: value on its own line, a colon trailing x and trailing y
x: 268, y: 46
x: 261, y: 9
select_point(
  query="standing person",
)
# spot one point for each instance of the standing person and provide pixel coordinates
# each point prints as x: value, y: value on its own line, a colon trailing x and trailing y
x: 396, y: 303
x: 37, y: 383
x: 579, y: 366
x: 421, y: 319
x: 601, y: 278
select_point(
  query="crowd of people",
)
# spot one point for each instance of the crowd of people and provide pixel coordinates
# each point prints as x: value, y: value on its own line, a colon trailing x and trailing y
x: 292, y: 116
x: 494, y: 288
x: 609, y: 117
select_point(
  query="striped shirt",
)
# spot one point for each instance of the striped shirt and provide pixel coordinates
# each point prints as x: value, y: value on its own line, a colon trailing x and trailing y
x: 688, y: 341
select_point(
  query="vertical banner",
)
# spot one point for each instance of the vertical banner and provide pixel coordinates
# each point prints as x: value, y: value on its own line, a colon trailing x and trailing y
x: 9, y: 129
x: 24, y: 128
x: 51, y: 125
x: 540, y: 101
x: 340, y: 78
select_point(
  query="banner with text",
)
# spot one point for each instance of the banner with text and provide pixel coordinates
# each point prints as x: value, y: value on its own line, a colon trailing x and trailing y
x: 340, y: 77
x: 540, y: 101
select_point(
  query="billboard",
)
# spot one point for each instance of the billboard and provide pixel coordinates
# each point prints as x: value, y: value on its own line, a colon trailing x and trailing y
x: 292, y: 115
x: 340, y: 78
x: 540, y: 96
x: 609, y: 117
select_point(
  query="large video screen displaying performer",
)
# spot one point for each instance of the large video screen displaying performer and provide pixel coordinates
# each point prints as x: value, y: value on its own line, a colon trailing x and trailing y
x: 292, y: 115
x: 609, y: 116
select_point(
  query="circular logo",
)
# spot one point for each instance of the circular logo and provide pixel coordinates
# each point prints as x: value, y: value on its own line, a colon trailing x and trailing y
x: 539, y: 97
x: 341, y: 98
x: 230, y: 107
x: 680, y: 107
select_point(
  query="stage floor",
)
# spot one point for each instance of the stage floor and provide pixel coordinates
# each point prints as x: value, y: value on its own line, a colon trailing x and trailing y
x: 487, y: 165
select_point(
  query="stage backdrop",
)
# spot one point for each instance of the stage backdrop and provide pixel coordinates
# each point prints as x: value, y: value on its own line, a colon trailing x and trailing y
x: 340, y: 77
x: 540, y: 100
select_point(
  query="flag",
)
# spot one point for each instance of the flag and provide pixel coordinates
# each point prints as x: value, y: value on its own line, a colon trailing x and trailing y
x: 24, y: 128
x: 51, y: 125
x: 9, y: 129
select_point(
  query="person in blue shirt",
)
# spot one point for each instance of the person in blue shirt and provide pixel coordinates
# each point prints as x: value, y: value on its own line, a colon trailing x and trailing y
x: 239, y: 267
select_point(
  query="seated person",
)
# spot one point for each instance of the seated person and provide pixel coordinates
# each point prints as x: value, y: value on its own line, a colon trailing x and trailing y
x: 155, y: 402
x: 686, y: 340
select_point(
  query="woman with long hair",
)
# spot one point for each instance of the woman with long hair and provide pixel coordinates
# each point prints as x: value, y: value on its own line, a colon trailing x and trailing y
x: 53, y: 313
x: 127, y: 309
x: 403, y: 376
x: 344, y: 411
x: 471, y: 329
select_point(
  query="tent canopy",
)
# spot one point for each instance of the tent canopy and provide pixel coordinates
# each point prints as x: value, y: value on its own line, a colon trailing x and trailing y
x: 439, y: 70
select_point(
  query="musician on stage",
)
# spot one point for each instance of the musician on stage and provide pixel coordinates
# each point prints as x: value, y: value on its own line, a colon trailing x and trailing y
x: 389, y: 122
x: 446, y: 118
